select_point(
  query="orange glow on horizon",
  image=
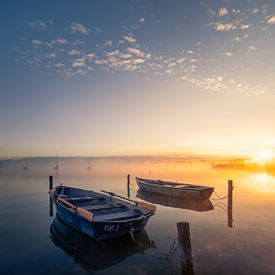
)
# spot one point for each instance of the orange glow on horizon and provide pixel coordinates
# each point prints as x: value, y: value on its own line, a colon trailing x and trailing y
x: 263, y: 157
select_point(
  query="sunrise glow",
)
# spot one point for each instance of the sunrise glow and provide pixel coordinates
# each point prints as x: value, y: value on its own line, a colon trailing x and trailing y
x: 263, y: 157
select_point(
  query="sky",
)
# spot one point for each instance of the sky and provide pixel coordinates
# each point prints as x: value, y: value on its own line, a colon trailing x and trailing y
x: 137, y: 77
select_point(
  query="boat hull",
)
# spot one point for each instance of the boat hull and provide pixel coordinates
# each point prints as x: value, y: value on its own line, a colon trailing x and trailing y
x: 102, y: 230
x: 185, y: 193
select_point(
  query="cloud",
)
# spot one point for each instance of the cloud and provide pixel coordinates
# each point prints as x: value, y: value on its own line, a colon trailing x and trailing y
x: 59, y: 65
x: 113, y: 53
x: 74, y: 52
x: 37, y: 24
x: 125, y: 55
x: 244, y: 26
x: 223, y: 12
x: 271, y: 20
x: 129, y: 39
x: 60, y: 41
x: 137, y: 61
x: 90, y: 56
x: 229, y: 54
x: 51, y: 55
x: 79, y: 63
x: 219, y: 26
x: 78, y: 28
x: 37, y: 42
x: 101, y: 62
x: 79, y: 43
x: 137, y: 52
x: 108, y: 43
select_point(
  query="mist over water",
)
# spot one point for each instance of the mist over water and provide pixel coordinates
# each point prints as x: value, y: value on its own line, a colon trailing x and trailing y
x: 246, y: 248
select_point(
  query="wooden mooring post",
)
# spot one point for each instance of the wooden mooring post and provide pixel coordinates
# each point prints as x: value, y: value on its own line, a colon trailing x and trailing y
x: 186, y: 248
x: 230, y: 204
x: 50, y: 183
x: 128, y: 186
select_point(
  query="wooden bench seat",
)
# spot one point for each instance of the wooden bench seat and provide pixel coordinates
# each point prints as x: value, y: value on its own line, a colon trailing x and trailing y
x: 102, y: 206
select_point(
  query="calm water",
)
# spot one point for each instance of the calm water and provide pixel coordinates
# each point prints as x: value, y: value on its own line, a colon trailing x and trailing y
x: 25, y: 228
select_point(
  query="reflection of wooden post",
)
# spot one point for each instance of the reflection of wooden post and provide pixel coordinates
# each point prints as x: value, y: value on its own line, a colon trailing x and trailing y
x: 51, y: 201
x: 51, y: 207
x: 185, y: 245
x: 230, y: 204
x: 50, y: 182
x: 128, y: 186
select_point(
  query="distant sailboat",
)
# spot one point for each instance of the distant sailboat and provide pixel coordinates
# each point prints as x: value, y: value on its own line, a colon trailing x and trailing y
x: 90, y: 166
x: 25, y: 165
x: 56, y: 168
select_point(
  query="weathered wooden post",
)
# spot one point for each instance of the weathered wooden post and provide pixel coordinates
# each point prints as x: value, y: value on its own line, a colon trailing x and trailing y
x: 185, y: 245
x: 230, y: 204
x: 50, y: 183
x: 128, y: 186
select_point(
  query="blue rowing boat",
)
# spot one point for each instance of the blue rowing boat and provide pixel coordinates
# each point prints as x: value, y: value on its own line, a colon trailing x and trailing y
x: 100, y: 216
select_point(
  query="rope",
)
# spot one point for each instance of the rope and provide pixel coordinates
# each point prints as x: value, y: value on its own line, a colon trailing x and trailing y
x: 219, y: 197
x: 224, y: 208
x: 172, y: 250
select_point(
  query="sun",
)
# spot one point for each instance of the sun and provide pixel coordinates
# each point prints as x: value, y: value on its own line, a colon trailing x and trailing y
x: 263, y: 157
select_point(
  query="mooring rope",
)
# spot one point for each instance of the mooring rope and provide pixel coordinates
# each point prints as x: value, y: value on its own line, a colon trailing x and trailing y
x: 172, y: 250
x: 219, y: 197
x: 224, y: 208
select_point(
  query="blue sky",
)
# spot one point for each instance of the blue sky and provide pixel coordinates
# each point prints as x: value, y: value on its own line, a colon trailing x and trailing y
x: 136, y: 77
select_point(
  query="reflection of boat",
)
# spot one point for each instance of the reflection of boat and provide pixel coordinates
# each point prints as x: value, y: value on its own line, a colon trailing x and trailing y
x: 98, y: 215
x: 175, y: 189
x: 176, y: 202
x: 93, y: 255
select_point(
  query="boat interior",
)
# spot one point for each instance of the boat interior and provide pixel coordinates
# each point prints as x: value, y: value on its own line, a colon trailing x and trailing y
x: 103, y: 207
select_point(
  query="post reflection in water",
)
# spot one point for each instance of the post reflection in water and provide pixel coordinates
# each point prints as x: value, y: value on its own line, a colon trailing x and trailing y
x: 51, y: 207
x: 93, y: 255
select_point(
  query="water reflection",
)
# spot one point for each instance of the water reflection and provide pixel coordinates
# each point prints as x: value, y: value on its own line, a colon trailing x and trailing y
x: 93, y: 255
x: 196, y: 205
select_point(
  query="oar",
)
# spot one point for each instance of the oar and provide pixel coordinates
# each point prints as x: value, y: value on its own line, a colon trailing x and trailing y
x: 141, y: 204
x: 81, y: 211
x: 67, y: 203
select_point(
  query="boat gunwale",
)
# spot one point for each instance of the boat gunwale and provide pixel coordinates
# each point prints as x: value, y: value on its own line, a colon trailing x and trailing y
x: 177, y: 186
x: 129, y: 206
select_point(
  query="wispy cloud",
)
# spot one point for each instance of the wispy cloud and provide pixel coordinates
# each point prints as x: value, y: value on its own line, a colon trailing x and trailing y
x: 38, y: 25
x: 129, y: 39
x: 37, y: 42
x: 78, y: 28
x: 58, y: 65
x: 271, y: 20
x: 60, y: 41
x: 219, y: 26
x: 223, y: 12
x: 74, y: 52
x: 79, y: 63
x: 108, y: 43
x: 126, y: 53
